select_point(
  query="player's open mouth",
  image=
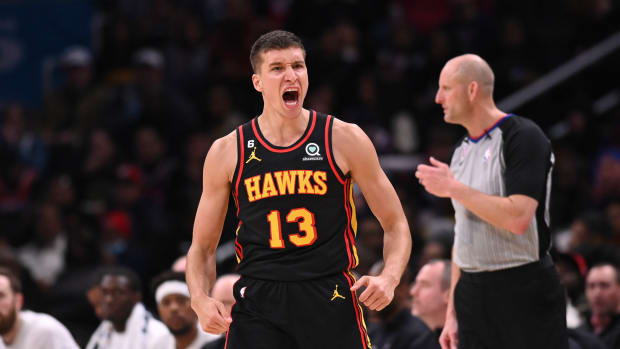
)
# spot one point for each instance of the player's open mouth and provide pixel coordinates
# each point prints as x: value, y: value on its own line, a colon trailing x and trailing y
x: 290, y: 97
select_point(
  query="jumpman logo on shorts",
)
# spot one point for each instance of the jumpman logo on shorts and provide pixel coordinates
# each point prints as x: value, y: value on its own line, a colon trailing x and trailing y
x: 336, y: 294
x: 253, y: 156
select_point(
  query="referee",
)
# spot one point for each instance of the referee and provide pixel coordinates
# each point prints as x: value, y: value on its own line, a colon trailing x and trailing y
x: 505, y: 292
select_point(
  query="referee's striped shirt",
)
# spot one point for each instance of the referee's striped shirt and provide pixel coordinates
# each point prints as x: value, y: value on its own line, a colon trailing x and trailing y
x: 512, y: 157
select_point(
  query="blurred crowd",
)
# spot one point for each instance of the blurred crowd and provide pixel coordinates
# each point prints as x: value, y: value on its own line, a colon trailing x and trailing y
x: 107, y: 169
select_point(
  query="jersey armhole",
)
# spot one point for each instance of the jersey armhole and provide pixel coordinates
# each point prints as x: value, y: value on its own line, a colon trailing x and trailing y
x: 238, y: 167
x: 328, y: 146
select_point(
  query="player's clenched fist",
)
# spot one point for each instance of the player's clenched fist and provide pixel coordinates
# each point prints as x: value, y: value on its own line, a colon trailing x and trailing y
x: 212, y: 314
x: 378, y: 293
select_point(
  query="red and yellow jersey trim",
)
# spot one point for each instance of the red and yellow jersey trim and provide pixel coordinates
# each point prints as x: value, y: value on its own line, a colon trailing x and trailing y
x: 351, y: 227
x: 296, y: 145
x: 332, y: 164
x: 238, y: 247
x: 240, y: 158
x: 359, y: 315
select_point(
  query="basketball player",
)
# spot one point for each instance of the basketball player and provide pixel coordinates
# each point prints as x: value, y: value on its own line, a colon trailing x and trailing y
x: 291, y: 173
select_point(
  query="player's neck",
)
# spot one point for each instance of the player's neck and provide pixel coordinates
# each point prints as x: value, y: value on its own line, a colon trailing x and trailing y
x: 281, y: 130
x: 10, y: 336
x: 184, y: 340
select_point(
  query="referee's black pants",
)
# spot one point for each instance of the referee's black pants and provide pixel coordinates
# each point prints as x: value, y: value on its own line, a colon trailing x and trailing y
x: 516, y: 308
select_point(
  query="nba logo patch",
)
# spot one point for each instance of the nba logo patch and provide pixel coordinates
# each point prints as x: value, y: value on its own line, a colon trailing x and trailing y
x: 487, y: 155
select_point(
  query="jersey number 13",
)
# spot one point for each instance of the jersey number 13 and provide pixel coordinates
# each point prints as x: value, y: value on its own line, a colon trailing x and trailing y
x: 305, y: 221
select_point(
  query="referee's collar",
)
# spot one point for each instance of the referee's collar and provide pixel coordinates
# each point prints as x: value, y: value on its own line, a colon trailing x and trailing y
x: 488, y: 131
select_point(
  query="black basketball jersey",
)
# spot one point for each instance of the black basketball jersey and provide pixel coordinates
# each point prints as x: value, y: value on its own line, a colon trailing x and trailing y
x: 295, y: 206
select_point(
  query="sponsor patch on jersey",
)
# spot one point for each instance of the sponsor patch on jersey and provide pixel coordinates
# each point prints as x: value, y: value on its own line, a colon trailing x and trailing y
x: 313, y: 151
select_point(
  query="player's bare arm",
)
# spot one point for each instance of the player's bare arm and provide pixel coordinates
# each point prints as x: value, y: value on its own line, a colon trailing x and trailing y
x: 356, y: 155
x: 513, y: 213
x: 217, y: 177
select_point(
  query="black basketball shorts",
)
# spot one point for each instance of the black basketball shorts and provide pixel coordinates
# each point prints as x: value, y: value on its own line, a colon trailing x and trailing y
x: 321, y: 313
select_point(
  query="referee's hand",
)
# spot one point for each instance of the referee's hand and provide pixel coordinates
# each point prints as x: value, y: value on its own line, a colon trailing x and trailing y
x: 436, y: 178
x: 378, y: 293
x: 449, y: 338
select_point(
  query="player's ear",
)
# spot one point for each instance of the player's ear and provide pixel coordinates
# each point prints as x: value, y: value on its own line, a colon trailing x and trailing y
x: 258, y: 86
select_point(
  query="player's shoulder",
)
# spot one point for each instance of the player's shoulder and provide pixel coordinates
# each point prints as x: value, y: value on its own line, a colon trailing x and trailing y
x: 343, y: 131
x: 226, y: 143
x: 222, y: 156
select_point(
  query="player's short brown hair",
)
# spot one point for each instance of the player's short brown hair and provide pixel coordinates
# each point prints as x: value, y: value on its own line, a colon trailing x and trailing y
x: 273, y: 40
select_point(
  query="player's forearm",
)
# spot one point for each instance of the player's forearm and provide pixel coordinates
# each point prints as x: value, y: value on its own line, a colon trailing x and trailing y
x: 396, y: 249
x: 200, y: 269
x: 201, y: 272
x: 501, y: 212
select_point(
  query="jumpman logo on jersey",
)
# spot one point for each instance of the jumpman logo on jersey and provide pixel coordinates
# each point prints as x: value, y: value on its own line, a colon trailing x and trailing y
x: 253, y: 156
x: 336, y: 294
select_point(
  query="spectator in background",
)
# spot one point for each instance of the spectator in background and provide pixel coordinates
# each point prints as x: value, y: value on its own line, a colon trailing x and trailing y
x: 188, y: 54
x: 23, y: 158
x: 603, y: 293
x: 607, y: 176
x: 68, y: 114
x: 158, y: 105
x: 24, y: 329
x: 187, y: 184
x: 612, y: 211
x: 180, y: 264
x: 127, y: 324
x: 97, y: 173
x: 221, y: 111
x: 44, y: 255
x: 223, y: 291
x: 95, y: 298
x: 438, y: 245
x: 62, y: 105
x: 156, y: 166
x: 136, y: 225
x: 572, y: 269
x: 173, y: 305
x: 395, y: 327
x: 590, y: 237
x: 431, y: 292
x: 16, y: 136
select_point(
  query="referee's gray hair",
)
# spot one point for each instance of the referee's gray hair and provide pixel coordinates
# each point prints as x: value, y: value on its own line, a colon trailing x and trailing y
x: 471, y: 67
